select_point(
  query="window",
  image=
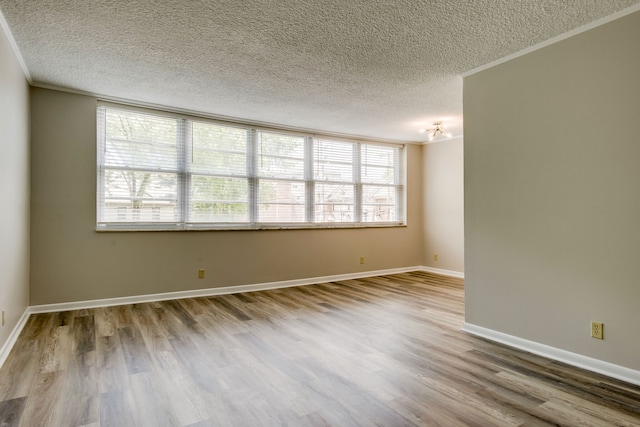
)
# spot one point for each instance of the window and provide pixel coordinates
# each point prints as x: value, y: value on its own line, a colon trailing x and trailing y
x: 170, y: 172
x: 217, y: 168
x: 281, y: 178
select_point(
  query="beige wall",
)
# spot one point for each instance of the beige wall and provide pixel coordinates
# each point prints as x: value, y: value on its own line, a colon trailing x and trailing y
x: 14, y: 189
x: 552, y: 194
x: 70, y: 261
x: 443, y: 212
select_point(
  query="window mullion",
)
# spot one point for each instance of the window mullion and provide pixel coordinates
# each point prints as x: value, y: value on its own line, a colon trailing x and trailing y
x: 185, y: 153
x: 357, y: 179
x: 400, y: 162
x: 252, y: 172
x: 309, y: 180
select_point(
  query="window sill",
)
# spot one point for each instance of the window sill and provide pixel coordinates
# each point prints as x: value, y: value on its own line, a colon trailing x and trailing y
x: 235, y: 227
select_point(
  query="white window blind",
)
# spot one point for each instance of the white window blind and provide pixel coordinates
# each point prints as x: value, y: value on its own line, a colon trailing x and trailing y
x: 168, y: 171
x: 335, y: 175
x: 380, y: 183
x: 139, y: 168
x: 218, y: 182
x: 281, y: 174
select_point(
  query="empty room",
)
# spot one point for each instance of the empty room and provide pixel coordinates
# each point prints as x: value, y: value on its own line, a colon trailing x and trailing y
x: 305, y: 213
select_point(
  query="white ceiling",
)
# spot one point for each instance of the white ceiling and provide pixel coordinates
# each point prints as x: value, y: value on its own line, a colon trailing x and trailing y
x: 372, y: 68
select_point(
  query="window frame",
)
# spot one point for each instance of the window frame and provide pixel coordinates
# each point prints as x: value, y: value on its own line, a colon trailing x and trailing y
x: 184, y: 172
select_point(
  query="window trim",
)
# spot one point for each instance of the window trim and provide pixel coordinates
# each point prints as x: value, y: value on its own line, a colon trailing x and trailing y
x: 184, y: 172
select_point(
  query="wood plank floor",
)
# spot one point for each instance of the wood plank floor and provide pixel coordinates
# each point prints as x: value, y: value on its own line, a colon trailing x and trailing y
x: 384, y: 351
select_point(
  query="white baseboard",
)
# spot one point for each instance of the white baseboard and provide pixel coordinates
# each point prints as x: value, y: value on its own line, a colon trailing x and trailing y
x: 77, y: 305
x: 451, y: 273
x: 595, y: 365
x: 13, y: 336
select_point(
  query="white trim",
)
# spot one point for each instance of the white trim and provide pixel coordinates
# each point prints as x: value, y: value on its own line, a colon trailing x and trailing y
x: 16, y: 51
x: 595, y: 365
x: 13, y: 336
x: 451, y: 273
x: 574, y: 32
x: 77, y: 305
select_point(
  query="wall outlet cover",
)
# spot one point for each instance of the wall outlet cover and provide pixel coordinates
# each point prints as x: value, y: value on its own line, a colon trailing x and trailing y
x: 597, y: 330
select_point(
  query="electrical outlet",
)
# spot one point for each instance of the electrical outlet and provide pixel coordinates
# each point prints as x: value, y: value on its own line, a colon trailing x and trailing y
x: 435, y: 257
x: 361, y: 260
x: 597, y: 330
x: 201, y: 274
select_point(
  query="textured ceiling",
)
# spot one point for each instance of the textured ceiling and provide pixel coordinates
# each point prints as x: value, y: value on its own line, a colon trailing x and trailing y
x: 372, y: 68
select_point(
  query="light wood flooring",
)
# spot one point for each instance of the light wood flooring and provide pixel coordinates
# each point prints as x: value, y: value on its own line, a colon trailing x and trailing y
x: 384, y: 351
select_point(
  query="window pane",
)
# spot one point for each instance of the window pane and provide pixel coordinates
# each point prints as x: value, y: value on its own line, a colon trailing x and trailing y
x: 334, y: 203
x: 333, y: 161
x: 379, y: 164
x: 281, y: 201
x: 132, y: 196
x: 280, y: 156
x: 140, y: 141
x: 216, y: 199
x: 378, y: 203
x: 219, y: 149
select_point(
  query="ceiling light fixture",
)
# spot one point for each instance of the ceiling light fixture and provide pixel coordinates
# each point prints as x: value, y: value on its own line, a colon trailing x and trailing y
x: 435, y: 132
